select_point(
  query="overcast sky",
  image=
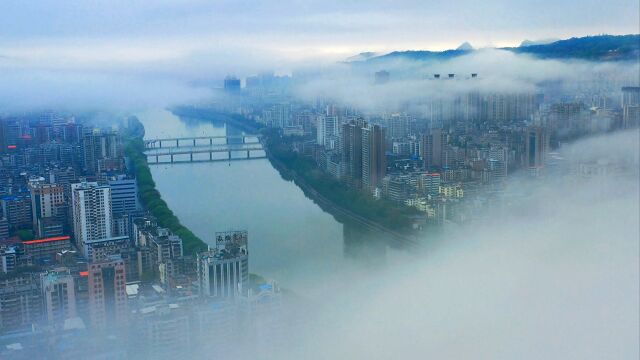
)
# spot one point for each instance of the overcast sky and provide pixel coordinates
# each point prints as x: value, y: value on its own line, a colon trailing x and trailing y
x: 130, y: 31
x: 124, y: 53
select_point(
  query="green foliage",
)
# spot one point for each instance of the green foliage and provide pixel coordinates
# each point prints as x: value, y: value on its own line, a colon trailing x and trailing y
x: 25, y: 234
x: 151, y: 198
x: 363, y: 204
x: 382, y: 212
x: 602, y: 47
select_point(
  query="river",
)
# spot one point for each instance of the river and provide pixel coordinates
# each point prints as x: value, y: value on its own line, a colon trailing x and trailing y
x: 291, y: 239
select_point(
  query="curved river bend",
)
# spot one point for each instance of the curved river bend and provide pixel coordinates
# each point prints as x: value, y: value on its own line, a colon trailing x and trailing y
x: 291, y: 239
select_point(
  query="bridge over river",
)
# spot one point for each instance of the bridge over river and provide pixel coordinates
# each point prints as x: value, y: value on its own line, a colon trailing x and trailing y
x: 203, y: 148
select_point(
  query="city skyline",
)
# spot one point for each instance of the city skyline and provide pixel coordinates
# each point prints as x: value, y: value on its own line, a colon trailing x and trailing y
x: 220, y: 179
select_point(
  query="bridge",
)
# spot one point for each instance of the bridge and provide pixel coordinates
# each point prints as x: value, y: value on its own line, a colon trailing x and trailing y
x: 195, y: 141
x: 173, y: 151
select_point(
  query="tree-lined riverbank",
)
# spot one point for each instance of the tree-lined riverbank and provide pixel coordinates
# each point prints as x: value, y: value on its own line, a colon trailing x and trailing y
x: 149, y: 196
x: 332, y: 195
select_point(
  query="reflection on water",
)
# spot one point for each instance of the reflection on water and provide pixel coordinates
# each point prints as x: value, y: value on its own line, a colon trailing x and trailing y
x: 363, y: 245
x: 291, y: 239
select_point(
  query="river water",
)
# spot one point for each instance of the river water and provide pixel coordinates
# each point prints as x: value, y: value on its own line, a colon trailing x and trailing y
x: 291, y: 239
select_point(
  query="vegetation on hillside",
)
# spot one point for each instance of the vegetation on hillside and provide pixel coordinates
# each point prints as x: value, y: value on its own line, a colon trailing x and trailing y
x: 602, y: 47
x: 593, y: 48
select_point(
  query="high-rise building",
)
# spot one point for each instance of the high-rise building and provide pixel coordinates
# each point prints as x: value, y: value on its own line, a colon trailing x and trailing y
x: 374, y: 163
x: 497, y: 162
x: 124, y: 195
x: 351, y: 148
x: 399, y: 126
x: 91, y: 213
x: 327, y: 130
x: 397, y: 187
x: 537, y: 146
x: 630, y: 95
x: 223, y: 272
x: 4, y: 228
x: 102, y: 151
x: 505, y: 108
x: 8, y: 259
x: 631, y: 116
x: 320, y: 133
x: 47, y: 205
x: 20, y: 302
x: 232, y: 84
x: 163, y: 244
x: 433, y: 145
x: 278, y: 115
x: 62, y: 176
x: 472, y: 107
x: 58, y: 292
x: 17, y: 210
x: 72, y: 133
x: 430, y: 183
x: 630, y: 106
x: 107, y: 293
x: 567, y: 116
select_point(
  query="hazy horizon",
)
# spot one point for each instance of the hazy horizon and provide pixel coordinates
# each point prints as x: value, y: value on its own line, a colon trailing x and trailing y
x: 499, y: 190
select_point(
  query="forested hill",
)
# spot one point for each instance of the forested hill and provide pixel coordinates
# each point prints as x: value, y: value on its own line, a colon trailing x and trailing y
x: 593, y: 48
x: 598, y: 48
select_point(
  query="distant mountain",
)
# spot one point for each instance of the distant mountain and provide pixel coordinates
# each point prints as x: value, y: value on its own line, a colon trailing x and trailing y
x: 526, y: 43
x: 594, y: 48
x: 465, y: 46
x: 419, y: 55
x: 361, y: 57
x: 597, y: 48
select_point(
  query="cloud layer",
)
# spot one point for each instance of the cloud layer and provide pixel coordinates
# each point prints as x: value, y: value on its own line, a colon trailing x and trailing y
x: 498, y: 71
x: 553, y: 277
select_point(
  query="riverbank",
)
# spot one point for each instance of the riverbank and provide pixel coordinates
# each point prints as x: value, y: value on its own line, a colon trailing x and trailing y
x: 341, y: 214
x: 333, y: 196
x: 336, y: 197
x: 149, y: 196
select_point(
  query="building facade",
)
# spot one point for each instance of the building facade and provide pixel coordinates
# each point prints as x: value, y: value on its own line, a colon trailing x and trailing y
x: 58, y: 291
x: 107, y: 293
x: 223, y: 272
x: 374, y: 163
x: 91, y: 212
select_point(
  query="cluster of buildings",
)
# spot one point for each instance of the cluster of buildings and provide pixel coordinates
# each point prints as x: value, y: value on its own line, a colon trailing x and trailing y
x: 85, y: 270
x: 435, y: 152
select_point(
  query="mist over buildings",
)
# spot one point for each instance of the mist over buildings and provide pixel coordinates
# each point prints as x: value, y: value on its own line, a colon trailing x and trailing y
x: 550, y: 270
x: 122, y: 55
x: 551, y: 273
x: 532, y: 281
x: 497, y: 71
x: 193, y: 79
x: 535, y: 281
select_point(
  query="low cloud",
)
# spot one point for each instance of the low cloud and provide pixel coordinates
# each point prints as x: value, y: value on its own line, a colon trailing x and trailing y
x: 554, y: 276
x: 499, y: 71
x: 33, y: 90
